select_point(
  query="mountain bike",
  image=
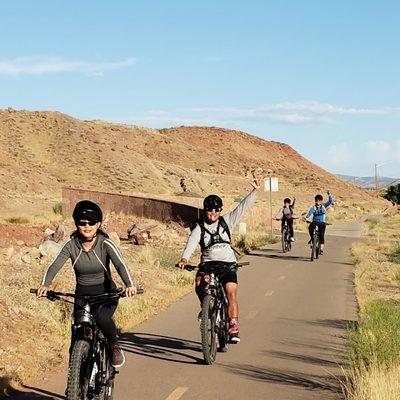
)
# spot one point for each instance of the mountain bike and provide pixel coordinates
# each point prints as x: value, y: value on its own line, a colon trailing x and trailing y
x: 286, y: 239
x: 315, y: 244
x: 90, y: 373
x: 214, y: 325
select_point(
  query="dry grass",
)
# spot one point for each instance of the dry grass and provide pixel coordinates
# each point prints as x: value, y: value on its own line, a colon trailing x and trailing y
x: 374, y: 383
x: 375, y: 348
x: 255, y: 239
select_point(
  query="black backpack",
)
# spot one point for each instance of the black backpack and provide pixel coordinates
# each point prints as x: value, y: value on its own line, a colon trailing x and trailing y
x: 215, y: 238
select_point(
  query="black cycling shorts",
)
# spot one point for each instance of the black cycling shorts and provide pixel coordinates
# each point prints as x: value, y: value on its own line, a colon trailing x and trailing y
x: 223, y: 271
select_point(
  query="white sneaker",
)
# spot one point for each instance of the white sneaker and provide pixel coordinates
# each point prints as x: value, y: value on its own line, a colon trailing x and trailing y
x: 292, y: 239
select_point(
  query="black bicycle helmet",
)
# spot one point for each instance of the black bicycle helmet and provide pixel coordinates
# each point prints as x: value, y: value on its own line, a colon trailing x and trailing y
x: 287, y: 201
x: 86, y: 209
x: 319, y: 197
x: 212, y: 202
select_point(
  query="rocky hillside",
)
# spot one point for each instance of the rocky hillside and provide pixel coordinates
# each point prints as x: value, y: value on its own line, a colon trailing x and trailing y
x: 40, y: 152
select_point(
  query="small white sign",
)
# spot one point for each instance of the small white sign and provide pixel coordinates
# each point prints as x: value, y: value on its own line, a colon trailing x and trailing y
x: 271, y: 184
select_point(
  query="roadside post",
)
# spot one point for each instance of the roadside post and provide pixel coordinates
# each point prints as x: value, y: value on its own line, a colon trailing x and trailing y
x: 271, y: 185
x: 242, y: 229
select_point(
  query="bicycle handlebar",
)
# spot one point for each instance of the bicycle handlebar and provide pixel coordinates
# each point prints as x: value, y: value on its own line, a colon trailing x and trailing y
x: 51, y: 294
x: 189, y: 267
x: 326, y: 223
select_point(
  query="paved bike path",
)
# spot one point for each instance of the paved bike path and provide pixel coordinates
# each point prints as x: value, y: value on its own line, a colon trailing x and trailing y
x: 293, y: 318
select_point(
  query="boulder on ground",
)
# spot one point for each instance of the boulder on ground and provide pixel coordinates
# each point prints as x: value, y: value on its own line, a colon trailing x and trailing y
x: 61, y: 233
x: 49, y: 232
x: 34, y: 252
x: 50, y: 248
x: 26, y: 258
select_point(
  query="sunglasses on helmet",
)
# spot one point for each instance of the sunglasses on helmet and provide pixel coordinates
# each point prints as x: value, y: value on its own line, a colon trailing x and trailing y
x: 86, y: 222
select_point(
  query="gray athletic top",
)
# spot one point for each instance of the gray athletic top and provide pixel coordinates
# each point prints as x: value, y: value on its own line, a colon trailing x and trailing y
x: 220, y: 251
x: 91, y: 267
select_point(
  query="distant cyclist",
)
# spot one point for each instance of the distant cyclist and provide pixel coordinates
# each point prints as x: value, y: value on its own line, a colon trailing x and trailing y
x: 318, y: 214
x: 90, y: 251
x: 213, y: 233
x: 286, y: 213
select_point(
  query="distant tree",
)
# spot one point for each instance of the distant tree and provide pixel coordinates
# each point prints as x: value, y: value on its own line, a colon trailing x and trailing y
x: 393, y: 194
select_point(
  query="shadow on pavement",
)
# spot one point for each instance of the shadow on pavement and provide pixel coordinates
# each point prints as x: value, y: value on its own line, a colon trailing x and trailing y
x: 308, y: 359
x: 161, y: 347
x: 7, y: 391
x: 342, y: 324
x: 281, y: 256
x: 289, y: 378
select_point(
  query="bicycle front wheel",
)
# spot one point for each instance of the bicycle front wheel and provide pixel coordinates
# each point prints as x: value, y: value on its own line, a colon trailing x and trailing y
x: 208, y: 329
x: 108, y: 375
x: 314, y: 248
x: 79, y: 372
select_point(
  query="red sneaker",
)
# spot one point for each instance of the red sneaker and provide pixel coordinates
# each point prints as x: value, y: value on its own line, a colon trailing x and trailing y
x: 233, y: 331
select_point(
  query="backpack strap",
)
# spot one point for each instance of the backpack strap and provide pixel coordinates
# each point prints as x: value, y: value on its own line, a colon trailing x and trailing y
x: 225, y: 227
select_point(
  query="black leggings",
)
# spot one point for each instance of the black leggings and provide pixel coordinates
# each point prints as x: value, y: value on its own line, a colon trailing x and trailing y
x: 290, y: 226
x: 102, y: 313
x: 321, y: 230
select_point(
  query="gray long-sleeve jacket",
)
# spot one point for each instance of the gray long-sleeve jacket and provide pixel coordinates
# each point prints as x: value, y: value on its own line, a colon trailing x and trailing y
x: 91, y: 267
x: 221, y: 251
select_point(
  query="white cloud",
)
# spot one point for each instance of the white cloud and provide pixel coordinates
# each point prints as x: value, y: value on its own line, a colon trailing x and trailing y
x: 315, y: 107
x: 378, y: 146
x: 302, y: 112
x: 340, y: 155
x: 383, y: 152
x: 48, y: 65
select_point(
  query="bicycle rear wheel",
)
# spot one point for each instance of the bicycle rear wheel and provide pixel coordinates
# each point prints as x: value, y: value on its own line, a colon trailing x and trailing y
x: 284, y: 240
x: 208, y: 329
x: 80, y: 367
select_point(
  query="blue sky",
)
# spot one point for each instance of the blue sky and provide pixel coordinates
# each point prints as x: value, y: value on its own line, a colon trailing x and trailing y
x: 320, y: 76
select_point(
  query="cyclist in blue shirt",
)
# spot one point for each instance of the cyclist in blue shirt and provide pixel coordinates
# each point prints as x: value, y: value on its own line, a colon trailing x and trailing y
x: 318, y: 213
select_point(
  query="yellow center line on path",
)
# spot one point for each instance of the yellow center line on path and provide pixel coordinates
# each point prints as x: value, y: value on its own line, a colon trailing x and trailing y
x: 269, y: 293
x: 177, y: 393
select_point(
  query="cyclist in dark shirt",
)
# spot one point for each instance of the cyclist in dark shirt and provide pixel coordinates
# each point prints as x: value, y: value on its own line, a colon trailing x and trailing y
x: 90, y: 251
x: 286, y: 213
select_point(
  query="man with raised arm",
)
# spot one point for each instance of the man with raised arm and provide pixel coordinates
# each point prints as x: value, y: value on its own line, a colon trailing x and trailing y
x: 213, y: 233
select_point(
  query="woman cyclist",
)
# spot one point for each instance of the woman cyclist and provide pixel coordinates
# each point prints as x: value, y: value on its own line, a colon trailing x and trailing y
x: 90, y: 251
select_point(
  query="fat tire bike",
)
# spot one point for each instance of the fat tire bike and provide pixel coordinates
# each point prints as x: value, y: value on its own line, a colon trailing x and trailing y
x: 90, y: 373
